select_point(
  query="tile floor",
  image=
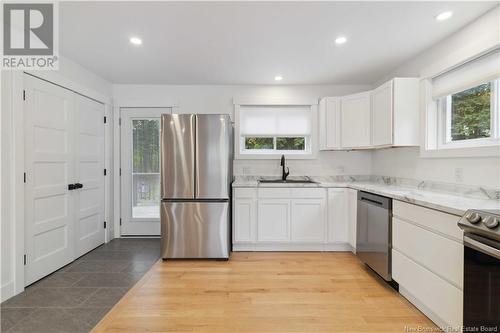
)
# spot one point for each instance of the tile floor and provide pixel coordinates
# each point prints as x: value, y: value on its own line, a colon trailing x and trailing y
x: 76, y: 297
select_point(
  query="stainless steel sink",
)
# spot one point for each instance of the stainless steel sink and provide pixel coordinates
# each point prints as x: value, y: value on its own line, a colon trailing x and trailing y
x: 288, y: 181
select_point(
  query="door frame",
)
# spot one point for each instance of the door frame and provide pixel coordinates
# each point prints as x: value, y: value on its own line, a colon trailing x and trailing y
x: 126, y: 115
x: 17, y: 163
x: 161, y: 102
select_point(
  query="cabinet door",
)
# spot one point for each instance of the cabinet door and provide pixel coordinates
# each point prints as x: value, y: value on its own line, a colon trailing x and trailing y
x: 338, y: 217
x: 329, y: 123
x: 308, y: 220
x: 355, y: 129
x: 244, y: 220
x: 353, y: 213
x: 382, y: 111
x: 273, y: 220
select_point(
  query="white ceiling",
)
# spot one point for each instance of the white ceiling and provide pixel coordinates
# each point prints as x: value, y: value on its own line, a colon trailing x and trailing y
x: 251, y: 42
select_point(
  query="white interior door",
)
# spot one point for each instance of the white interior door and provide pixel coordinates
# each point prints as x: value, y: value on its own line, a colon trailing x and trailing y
x: 140, y: 170
x: 89, y: 152
x: 49, y: 162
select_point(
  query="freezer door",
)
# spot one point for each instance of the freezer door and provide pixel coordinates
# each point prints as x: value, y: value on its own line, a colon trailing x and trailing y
x: 195, y: 230
x: 213, y: 156
x: 177, y: 156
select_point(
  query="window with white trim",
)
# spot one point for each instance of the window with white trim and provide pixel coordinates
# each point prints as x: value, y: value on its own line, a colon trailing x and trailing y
x: 275, y: 129
x: 467, y: 101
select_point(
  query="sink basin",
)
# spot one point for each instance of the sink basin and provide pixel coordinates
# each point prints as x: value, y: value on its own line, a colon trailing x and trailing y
x: 288, y: 181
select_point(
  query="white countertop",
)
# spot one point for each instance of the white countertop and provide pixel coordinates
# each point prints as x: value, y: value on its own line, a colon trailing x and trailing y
x: 452, y: 203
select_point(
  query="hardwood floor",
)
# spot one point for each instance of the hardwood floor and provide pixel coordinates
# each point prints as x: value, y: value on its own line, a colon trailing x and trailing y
x: 263, y: 292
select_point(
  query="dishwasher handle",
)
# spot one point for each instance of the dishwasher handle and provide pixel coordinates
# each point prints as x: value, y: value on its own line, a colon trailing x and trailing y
x: 376, y: 200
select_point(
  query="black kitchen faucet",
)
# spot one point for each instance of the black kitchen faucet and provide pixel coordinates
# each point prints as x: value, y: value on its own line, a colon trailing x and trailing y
x: 285, y: 174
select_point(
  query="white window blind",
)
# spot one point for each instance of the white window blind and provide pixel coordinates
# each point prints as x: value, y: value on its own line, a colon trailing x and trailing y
x: 470, y: 74
x: 275, y: 120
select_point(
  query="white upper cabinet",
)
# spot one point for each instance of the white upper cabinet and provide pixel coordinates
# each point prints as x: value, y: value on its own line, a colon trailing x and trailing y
x: 329, y: 123
x: 355, y: 120
x: 383, y: 117
x: 395, y: 116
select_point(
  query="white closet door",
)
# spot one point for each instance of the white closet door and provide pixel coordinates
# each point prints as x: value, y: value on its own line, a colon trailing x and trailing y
x: 89, y: 151
x: 49, y: 163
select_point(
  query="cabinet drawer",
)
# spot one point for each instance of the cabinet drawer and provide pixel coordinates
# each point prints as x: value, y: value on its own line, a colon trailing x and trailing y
x: 245, y: 192
x: 439, y: 296
x: 308, y: 193
x: 429, y: 218
x: 275, y: 193
x: 435, y: 252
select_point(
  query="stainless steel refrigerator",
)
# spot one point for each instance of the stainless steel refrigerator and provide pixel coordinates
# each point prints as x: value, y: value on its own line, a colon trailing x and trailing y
x: 196, y: 176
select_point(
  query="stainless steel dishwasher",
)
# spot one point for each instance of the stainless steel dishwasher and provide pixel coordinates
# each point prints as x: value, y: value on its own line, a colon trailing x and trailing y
x: 374, y: 232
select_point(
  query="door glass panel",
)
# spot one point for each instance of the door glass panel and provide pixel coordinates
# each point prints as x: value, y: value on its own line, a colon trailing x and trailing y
x: 146, y: 168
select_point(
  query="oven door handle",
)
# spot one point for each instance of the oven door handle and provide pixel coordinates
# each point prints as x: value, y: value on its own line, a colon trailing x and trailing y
x: 481, y: 247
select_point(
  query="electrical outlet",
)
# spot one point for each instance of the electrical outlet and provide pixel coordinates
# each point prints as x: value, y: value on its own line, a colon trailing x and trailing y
x: 247, y: 170
x: 459, y: 175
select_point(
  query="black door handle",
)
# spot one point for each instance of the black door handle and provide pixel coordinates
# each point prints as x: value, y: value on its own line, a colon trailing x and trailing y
x: 71, y: 187
x: 78, y: 185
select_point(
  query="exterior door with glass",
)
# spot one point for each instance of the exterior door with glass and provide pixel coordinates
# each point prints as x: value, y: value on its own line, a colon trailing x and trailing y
x: 140, y: 171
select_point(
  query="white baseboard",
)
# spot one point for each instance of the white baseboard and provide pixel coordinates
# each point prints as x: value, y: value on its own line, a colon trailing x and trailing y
x: 7, y: 291
x: 425, y: 310
x: 341, y: 247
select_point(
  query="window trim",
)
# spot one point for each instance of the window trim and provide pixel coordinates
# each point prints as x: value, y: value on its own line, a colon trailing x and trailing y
x: 444, y: 123
x: 240, y: 154
x: 431, y: 139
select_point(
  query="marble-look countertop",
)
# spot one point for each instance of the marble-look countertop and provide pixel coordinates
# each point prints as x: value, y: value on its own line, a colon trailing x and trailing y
x: 449, y: 198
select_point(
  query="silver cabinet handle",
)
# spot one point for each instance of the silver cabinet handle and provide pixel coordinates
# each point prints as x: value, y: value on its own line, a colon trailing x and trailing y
x: 481, y: 247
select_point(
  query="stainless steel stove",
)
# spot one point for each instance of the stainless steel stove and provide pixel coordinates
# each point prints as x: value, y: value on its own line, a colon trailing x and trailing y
x: 481, y: 270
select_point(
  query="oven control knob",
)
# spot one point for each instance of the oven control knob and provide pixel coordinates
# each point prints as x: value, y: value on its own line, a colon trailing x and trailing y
x: 491, y: 222
x: 473, y: 218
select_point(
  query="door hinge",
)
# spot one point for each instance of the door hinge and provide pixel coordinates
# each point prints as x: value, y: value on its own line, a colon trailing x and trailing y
x: 119, y: 121
x: 105, y: 172
x: 120, y: 171
x: 24, y: 260
x: 105, y: 119
x: 24, y: 95
x: 25, y: 177
x: 104, y: 224
x: 120, y: 221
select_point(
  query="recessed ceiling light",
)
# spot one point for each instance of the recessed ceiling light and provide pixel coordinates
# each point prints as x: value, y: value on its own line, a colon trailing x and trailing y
x: 278, y: 78
x: 444, y: 16
x: 135, y: 40
x: 340, y: 40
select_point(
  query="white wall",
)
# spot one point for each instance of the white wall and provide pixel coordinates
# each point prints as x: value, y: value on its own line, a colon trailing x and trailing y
x: 480, y: 35
x: 6, y: 229
x: 406, y: 163
x: 219, y: 99
x: 70, y: 75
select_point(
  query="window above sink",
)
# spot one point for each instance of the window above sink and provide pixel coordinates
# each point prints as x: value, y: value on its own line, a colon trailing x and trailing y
x: 268, y: 131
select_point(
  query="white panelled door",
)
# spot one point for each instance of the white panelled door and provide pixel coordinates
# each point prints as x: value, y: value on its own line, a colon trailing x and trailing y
x: 140, y: 171
x: 49, y: 161
x: 61, y: 128
x: 89, y: 129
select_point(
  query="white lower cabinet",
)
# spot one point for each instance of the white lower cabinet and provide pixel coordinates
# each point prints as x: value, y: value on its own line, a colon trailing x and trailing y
x: 352, y: 215
x: 338, y: 215
x: 436, y: 298
x: 308, y: 220
x: 427, y: 261
x: 290, y: 219
x: 244, y: 217
x: 273, y: 220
